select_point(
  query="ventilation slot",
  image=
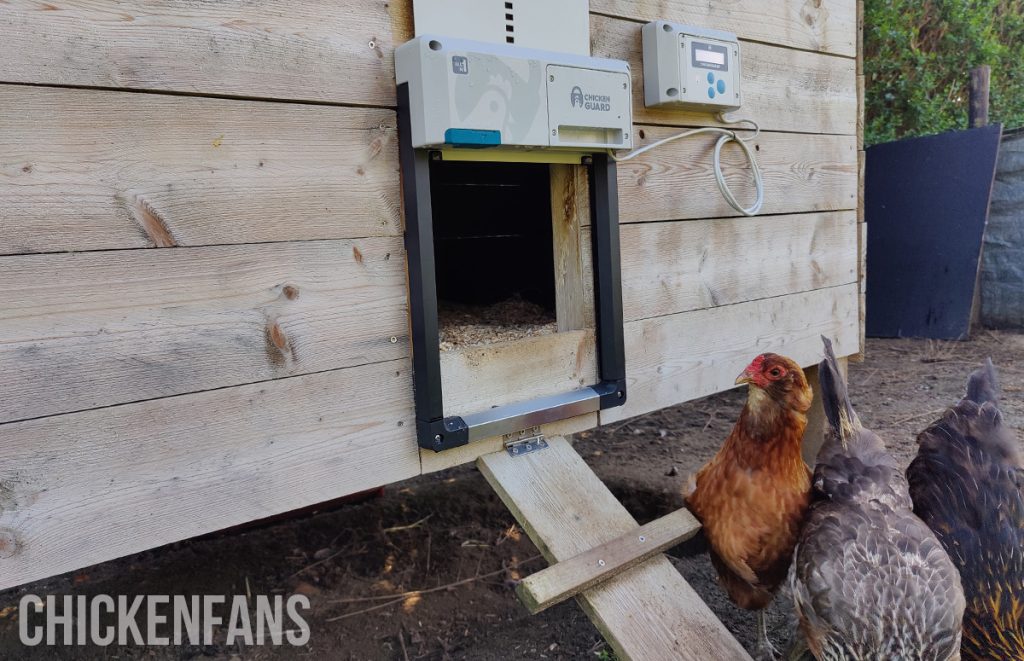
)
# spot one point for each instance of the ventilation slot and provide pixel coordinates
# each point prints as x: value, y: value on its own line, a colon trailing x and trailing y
x: 509, y: 27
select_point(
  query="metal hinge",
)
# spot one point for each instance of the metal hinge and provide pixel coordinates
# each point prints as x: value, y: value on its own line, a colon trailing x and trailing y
x: 525, y: 441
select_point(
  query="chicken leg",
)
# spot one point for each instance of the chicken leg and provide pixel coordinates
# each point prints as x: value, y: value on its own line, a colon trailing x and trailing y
x: 765, y: 651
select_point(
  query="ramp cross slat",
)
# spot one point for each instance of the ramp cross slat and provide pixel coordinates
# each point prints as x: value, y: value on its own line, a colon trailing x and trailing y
x: 568, y: 578
x: 646, y: 612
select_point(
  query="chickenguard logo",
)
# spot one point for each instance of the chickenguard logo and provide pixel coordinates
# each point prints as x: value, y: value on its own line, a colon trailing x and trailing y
x: 598, y: 102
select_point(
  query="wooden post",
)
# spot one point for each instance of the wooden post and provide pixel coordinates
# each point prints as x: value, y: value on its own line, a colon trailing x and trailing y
x: 977, y: 116
x: 977, y: 113
x: 814, y: 435
x: 569, y: 201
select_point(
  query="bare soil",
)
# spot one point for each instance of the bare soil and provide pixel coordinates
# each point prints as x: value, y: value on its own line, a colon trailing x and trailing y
x: 449, y: 536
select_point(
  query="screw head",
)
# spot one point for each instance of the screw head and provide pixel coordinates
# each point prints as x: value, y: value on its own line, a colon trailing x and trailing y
x: 394, y: 339
x: 642, y: 538
x: 437, y: 438
x: 551, y: 78
x: 620, y: 394
x: 600, y: 563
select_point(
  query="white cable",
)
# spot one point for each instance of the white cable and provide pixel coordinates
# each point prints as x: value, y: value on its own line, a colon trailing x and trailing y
x: 727, y: 136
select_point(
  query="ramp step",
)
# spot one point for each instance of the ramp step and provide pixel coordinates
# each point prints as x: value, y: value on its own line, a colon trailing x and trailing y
x: 570, y: 577
x: 645, y: 612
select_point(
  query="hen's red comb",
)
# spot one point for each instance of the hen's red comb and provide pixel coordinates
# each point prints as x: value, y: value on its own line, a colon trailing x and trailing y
x: 756, y: 364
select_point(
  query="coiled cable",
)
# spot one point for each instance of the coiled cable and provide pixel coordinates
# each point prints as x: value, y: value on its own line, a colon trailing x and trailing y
x: 726, y: 136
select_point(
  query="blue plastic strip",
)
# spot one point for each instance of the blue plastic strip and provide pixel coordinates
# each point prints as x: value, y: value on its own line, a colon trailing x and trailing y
x: 472, y: 138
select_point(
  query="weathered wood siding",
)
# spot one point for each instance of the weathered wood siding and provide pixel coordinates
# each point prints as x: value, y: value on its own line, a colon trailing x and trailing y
x: 204, y: 314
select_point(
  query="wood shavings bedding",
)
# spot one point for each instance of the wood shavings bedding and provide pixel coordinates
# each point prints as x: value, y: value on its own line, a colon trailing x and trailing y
x: 513, y: 319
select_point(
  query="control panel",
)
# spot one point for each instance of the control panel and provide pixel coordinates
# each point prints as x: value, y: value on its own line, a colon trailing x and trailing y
x: 686, y: 66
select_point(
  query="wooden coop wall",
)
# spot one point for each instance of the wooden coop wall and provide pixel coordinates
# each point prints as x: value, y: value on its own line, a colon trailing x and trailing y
x: 204, y: 316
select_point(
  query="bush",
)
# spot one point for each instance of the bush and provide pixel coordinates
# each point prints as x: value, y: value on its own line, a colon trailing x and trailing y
x: 917, y: 59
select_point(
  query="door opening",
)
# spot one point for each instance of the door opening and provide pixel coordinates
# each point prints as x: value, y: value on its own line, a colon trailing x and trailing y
x: 492, y: 249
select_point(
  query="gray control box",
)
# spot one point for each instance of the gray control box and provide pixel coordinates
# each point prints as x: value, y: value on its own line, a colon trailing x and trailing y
x: 475, y: 94
x: 686, y: 66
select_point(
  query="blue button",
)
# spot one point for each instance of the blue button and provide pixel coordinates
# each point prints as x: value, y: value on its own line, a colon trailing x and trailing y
x: 711, y: 92
x: 711, y: 78
x: 721, y: 87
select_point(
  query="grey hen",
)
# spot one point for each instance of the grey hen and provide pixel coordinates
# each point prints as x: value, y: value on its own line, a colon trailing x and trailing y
x: 869, y: 578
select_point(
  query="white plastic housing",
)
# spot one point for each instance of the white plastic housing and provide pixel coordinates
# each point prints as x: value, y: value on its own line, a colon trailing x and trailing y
x: 559, y: 25
x: 474, y: 94
x: 686, y: 66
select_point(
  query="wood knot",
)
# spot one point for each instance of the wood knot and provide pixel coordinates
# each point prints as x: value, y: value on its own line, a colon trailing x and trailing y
x: 152, y: 224
x: 26, y: 168
x: 290, y: 292
x: 814, y: 13
x: 357, y: 254
x: 277, y: 336
x: 376, y: 145
x: 279, y: 349
x: 9, y: 545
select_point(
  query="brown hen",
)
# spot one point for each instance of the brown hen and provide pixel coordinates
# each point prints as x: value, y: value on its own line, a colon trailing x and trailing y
x: 752, y: 496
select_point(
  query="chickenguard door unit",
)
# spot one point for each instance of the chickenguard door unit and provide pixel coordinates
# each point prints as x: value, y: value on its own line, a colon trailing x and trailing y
x: 461, y: 99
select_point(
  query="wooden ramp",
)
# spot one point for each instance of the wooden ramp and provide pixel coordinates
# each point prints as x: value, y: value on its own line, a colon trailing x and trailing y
x: 636, y: 598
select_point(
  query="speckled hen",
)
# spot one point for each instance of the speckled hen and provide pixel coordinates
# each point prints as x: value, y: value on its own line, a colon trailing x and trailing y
x: 869, y: 579
x: 966, y: 484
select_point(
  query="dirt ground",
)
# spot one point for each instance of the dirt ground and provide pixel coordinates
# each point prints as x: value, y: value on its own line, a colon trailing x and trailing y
x: 450, y: 537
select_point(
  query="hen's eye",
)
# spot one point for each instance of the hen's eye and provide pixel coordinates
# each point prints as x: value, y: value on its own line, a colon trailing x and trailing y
x: 776, y: 372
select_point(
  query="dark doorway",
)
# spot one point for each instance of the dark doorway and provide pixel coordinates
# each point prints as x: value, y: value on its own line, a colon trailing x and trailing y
x: 493, y: 250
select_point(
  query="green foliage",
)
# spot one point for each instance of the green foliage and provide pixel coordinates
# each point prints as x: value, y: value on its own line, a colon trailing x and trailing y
x: 917, y: 58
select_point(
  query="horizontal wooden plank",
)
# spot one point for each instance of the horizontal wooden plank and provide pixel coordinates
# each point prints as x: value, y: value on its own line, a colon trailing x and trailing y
x: 688, y: 265
x: 338, y: 52
x: 87, y: 169
x: 828, y: 26
x: 783, y: 89
x: 647, y: 612
x: 84, y: 330
x: 677, y: 358
x: 675, y: 181
x: 87, y: 487
x: 477, y: 378
x: 567, y: 578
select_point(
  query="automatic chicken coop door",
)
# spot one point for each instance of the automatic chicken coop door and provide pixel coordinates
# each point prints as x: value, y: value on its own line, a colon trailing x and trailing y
x: 478, y: 109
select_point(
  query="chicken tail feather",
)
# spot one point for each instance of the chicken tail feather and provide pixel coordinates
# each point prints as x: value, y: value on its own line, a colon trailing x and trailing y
x: 983, y: 384
x: 834, y: 397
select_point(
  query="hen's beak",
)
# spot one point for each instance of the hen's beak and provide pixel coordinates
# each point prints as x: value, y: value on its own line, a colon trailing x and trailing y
x: 746, y: 376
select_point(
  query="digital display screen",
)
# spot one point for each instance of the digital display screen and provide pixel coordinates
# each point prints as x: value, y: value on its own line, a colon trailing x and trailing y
x: 710, y: 56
